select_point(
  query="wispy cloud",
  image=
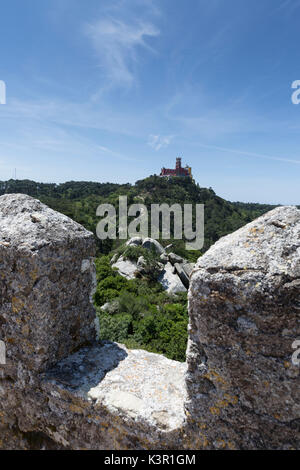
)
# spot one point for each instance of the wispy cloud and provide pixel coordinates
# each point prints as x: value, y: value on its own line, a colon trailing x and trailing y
x: 77, y: 115
x: 249, y: 154
x: 287, y: 6
x: 283, y: 5
x: 158, y: 142
x: 117, y: 44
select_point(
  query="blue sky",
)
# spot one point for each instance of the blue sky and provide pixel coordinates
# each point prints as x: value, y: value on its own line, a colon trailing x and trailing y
x: 108, y: 90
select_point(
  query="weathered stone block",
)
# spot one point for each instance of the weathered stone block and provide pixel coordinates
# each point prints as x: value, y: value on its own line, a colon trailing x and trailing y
x: 242, y: 390
x: 244, y: 316
x: 46, y: 282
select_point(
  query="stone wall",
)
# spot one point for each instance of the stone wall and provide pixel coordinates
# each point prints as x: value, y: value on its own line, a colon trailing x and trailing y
x: 244, y: 317
x: 45, y: 283
x: 61, y: 389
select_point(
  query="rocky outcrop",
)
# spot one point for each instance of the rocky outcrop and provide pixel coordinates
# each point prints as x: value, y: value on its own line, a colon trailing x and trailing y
x: 164, y: 258
x: 174, y: 271
x: 151, y: 244
x: 134, y: 241
x: 173, y: 258
x: 60, y: 389
x: 244, y: 316
x: 126, y: 267
x: 170, y: 281
x: 47, y: 279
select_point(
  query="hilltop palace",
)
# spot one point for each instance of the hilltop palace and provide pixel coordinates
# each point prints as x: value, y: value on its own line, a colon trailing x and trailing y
x: 178, y: 171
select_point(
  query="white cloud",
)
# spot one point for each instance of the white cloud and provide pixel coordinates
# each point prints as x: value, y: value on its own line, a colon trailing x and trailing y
x: 117, y: 44
x: 158, y: 142
x: 249, y: 154
x: 81, y: 115
x: 289, y: 4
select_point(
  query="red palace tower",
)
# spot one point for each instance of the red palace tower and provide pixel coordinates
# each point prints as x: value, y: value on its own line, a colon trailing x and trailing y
x: 178, y: 171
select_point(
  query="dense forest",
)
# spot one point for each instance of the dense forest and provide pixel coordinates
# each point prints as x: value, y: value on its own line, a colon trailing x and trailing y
x: 139, y: 312
x: 80, y: 199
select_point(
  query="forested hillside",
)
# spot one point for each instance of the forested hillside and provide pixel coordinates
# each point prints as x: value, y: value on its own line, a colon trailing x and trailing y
x: 80, y: 199
x: 139, y: 312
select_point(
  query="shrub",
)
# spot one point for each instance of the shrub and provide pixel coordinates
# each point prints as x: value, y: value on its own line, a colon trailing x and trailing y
x: 146, y: 316
x: 115, y: 327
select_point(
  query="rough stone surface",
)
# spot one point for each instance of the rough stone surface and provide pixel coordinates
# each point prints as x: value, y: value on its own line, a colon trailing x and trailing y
x: 168, y: 277
x: 112, y: 376
x: 238, y: 390
x: 184, y: 271
x: 244, y: 317
x: 141, y: 262
x: 126, y: 268
x: 136, y: 241
x: 47, y: 276
x: 102, y: 397
x: 164, y: 258
x: 173, y: 258
x: 188, y: 268
x: 151, y: 244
